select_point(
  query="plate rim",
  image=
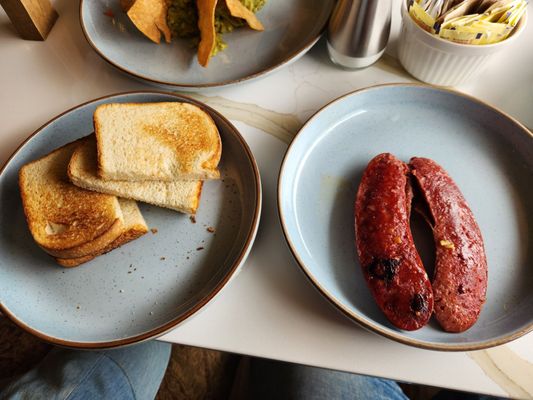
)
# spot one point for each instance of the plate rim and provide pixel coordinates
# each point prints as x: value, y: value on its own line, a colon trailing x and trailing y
x: 239, y: 259
x: 293, y: 56
x: 369, y: 324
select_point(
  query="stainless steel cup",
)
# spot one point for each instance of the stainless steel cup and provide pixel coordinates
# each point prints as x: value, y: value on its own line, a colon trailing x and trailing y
x: 358, y: 32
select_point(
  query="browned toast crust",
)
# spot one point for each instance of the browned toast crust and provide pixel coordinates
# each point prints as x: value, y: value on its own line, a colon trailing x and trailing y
x: 64, y: 220
x: 197, y: 137
x: 184, y: 196
x: 131, y: 234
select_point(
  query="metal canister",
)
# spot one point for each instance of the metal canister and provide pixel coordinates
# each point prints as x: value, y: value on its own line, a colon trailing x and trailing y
x: 358, y: 32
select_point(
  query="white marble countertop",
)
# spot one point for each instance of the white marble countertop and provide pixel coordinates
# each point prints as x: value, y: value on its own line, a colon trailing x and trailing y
x: 270, y: 310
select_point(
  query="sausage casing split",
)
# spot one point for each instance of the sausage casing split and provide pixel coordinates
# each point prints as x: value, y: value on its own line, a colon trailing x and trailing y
x: 391, y: 265
x: 460, y: 278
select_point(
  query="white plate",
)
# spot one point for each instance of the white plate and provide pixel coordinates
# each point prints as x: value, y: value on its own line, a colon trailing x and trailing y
x: 488, y: 154
x: 146, y: 287
x: 292, y: 27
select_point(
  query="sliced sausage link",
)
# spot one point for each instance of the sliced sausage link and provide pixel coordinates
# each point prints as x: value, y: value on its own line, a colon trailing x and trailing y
x: 460, y: 278
x: 391, y: 265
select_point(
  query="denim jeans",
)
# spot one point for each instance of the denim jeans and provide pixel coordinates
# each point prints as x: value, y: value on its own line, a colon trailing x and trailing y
x: 133, y: 372
x: 283, y: 381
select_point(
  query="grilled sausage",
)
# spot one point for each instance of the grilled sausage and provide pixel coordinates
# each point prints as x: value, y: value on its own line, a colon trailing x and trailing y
x: 460, y: 278
x: 391, y: 265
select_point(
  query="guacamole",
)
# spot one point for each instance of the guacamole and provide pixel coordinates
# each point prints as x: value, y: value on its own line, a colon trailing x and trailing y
x: 182, y: 19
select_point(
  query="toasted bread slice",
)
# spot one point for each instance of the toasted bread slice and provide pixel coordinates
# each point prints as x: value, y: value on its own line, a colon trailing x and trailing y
x: 183, y: 196
x: 156, y: 141
x: 134, y: 227
x: 64, y: 220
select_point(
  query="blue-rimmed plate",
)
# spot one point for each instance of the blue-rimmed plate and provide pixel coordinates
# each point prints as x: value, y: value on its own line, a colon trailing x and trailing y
x: 292, y: 27
x: 489, y: 155
x: 146, y: 287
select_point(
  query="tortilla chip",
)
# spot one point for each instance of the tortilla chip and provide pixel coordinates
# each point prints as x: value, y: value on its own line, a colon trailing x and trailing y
x: 150, y: 17
x: 126, y: 4
x: 238, y: 10
x: 206, y: 24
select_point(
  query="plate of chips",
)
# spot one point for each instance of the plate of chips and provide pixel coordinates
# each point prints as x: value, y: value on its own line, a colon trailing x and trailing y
x: 194, y: 44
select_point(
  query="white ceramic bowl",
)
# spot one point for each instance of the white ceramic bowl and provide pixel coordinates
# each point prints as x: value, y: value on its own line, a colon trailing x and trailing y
x: 441, y: 62
x: 488, y: 154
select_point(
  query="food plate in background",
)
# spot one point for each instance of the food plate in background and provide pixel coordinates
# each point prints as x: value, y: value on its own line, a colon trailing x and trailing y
x: 146, y: 287
x: 487, y: 153
x: 291, y: 29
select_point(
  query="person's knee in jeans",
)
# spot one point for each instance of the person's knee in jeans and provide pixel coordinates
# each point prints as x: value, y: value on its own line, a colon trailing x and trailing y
x: 133, y: 372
